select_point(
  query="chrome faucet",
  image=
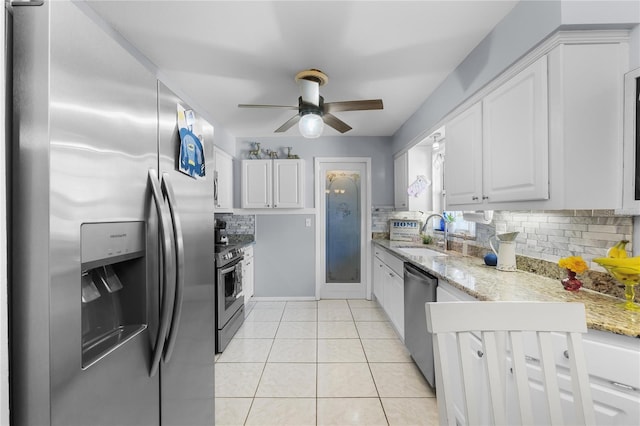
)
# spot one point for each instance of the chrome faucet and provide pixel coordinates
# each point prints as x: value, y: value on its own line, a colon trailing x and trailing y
x: 446, y: 232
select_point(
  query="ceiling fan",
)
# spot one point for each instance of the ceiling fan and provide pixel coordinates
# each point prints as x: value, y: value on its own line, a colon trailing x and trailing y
x: 313, y: 112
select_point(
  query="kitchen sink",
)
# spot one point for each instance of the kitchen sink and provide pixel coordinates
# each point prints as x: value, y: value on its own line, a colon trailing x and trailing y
x: 419, y: 251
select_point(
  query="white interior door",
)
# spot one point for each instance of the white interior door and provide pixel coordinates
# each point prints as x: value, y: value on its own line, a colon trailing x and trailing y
x: 344, y: 211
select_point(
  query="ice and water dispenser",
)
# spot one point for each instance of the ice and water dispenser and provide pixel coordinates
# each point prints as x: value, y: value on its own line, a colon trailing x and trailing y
x: 113, y: 284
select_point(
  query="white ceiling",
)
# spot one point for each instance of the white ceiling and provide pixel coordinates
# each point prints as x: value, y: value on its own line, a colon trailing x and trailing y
x: 222, y: 53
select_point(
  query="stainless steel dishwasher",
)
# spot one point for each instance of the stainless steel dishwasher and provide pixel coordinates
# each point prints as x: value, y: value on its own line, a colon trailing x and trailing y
x: 419, y: 288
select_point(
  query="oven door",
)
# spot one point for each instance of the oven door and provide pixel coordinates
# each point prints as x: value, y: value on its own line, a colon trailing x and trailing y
x: 229, y: 291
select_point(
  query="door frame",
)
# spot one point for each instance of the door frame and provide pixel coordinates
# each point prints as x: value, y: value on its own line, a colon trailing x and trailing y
x: 320, y: 225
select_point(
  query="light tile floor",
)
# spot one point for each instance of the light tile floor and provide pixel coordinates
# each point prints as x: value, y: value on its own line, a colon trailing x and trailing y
x: 331, y: 362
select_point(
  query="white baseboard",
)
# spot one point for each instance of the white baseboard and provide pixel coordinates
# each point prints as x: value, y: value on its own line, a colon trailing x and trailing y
x: 283, y: 299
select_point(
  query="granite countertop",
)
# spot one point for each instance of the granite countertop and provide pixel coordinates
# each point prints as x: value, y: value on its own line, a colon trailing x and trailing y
x: 483, y: 282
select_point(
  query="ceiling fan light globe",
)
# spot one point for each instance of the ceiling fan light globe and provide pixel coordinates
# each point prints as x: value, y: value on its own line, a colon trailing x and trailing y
x: 311, y: 126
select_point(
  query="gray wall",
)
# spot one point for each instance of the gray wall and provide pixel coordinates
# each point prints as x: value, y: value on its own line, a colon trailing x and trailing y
x: 285, y: 256
x: 377, y: 148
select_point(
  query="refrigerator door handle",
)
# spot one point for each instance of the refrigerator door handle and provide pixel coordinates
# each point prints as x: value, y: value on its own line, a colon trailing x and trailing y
x: 168, y: 271
x: 167, y: 188
x: 215, y: 188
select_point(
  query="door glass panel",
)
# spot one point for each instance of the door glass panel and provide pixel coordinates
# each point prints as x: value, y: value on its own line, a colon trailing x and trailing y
x: 230, y: 292
x: 343, y: 204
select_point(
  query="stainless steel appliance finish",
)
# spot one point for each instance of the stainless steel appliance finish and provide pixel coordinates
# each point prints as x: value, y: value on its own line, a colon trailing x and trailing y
x: 187, y: 379
x: 88, y: 121
x: 632, y: 87
x: 229, y: 295
x: 419, y: 288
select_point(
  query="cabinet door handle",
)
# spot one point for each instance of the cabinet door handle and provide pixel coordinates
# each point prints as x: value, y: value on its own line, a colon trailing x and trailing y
x: 623, y: 386
x: 480, y: 353
x: 474, y: 198
x: 485, y: 197
x: 390, y: 274
x: 566, y: 354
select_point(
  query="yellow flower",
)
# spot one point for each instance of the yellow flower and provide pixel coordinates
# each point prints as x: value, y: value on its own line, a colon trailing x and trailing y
x: 573, y: 263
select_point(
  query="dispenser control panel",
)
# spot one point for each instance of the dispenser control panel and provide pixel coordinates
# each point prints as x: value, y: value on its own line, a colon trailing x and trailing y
x: 107, y: 242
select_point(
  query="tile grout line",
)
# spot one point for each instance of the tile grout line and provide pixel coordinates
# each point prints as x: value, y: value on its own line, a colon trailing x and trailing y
x: 358, y: 335
x: 264, y: 367
x: 384, y: 412
x: 317, y: 358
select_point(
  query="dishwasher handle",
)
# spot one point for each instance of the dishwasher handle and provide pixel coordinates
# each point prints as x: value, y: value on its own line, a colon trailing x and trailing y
x: 417, y: 274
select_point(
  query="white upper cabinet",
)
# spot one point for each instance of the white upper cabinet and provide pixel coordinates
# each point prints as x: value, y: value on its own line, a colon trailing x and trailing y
x: 407, y: 168
x: 463, y: 160
x: 515, y: 138
x: 272, y: 184
x: 547, y: 134
x: 497, y: 150
x: 400, y: 181
x: 288, y: 184
x: 256, y: 184
x: 420, y: 159
x: 585, y: 124
x: 223, y: 189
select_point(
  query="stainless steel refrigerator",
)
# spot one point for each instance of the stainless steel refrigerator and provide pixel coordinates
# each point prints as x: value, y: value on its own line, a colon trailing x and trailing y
x: 112, y: 274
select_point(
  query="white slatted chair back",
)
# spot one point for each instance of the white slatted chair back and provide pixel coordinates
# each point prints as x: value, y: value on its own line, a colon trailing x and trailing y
x: 504, y: 329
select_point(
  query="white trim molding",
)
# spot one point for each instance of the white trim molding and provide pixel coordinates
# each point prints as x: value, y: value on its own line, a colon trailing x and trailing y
x: 366, y: 211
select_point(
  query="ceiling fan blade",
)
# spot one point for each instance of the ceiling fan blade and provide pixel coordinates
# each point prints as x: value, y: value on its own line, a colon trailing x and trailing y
x: 288, y: 124
x: 310, y: 91
x: 336, y: 123
x: 368, y: 104
x: 267, y: 106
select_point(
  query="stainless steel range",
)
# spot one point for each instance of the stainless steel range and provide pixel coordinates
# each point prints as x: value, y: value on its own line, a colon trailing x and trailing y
x: 229, y: 296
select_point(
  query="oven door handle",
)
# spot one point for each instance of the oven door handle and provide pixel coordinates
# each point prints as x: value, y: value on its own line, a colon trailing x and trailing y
x: 166, y: 293
x: 167, y: 189
x: 239, y: 288
x: 230, y: 268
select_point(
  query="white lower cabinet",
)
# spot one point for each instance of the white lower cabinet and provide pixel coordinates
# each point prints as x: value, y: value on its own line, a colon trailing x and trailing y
x: 388, y: 286
x: 378, y: 280
x: 613, y: 362
x: 394, y: 299
x: 446, y: 293
x: 614, y: 373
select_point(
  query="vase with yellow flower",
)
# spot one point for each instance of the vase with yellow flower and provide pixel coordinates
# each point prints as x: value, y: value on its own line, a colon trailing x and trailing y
x: 574, y: 265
